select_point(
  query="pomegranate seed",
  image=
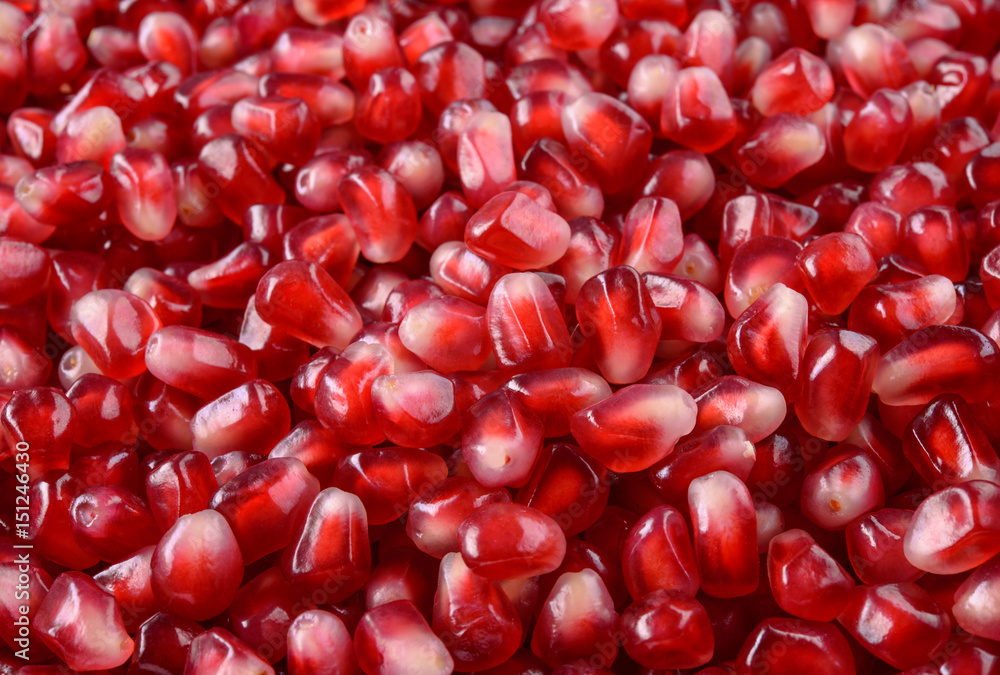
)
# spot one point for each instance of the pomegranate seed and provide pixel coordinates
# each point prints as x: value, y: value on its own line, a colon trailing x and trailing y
x: 288, y: 297
x: 272, y: 496
x: 795, y: 82
x: 845, y: 485
x: 254, y: 416
x: 577, y: 621
x: 434, y: 518
x: 663, y: 630
x: 722, y: 449
x: 737, y: 401
x: 64, y: 194
x: 588, y: 123
x: 388, y: 480
x: 947, y: 447
x: 838, y: 369
x: 166, y: 36
x: 911, y: 374
x: 724, y: 526
x: 111, y: 522
x: 875, y: 547
x: 82, y: 624
x: 51, y: 528
x: 501, y: 440
x: 474, y: 617
x: 780, y: 148
x: 697, y: 112
x: 784, y: 646
x: 777, y: 319
x: 217, y: 650
x: 318, y: 639
x: 239, y: 169
x: 973, y: 610
x: 873, y: 58
x: 794, y: 558
x: 330, y: 552
x: 954, y: 530
x: 104, y: 411
x: 199, y: 362
x: 524, y: 324
x: 918, y: 627
x: 388, y: 636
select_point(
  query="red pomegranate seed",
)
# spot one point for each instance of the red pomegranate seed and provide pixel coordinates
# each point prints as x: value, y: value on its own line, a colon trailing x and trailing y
x: 946, y: 445
x: 697, y: 112
x: 663, y: 630
x: 199, y: 362
x: 217, y: 650
x: 525, y: 325
x: 651, y: 417
x: 872, y: 58
x: 778, y: 320
x: 433, y: 518
x: 388, y: 636
x: 273, y: 497
x: 130, y: 582
x: 780, y: 148
x: 981, y: 174
x: 845, y: 485
x: 253, y: 416
x: 794, y: 558
x: 240, y: 172
x: 613, y: 139
x: 162, y: 641
x: 21, y: 365
x: 318, y: 639
x: 622, y: 327
x: 724, y: 448
x: 577, y: 621
x: 284, y: 127
x: 261, y: 612
x: 167, y: 36
x: 954, y: 530
x: 290, y: 295
x: 784, y: 646
x: 973, y: 609
x: 913, y: 626
x: 473, y: 617
x: 838, y: 368
x: 891, y: 312
x: 113, y: 328
x: 388, y: 480
x: 568, y: 486
x: 180, y: 485
x: 82, y: 624
x: 343, y: 395
x: 724, y: 529
x: 111, y: 522
x: 912, y: 373
x: 381, y: 212
x: 104, y: 411
x: 795, y: 82
x: 875, y: 547
x: 877, y: 133
x: 51, y: 531
x: 64, y: 194
x: 501, y: 440
x: 508, y: 541
x: 329, y: 554
x: 756, y: 408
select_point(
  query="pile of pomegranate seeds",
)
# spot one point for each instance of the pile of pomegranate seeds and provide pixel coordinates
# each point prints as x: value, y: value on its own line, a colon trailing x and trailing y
x: 506, y: 337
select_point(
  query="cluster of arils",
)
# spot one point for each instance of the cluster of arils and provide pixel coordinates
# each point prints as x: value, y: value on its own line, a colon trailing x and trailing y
x: 507, y: 337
